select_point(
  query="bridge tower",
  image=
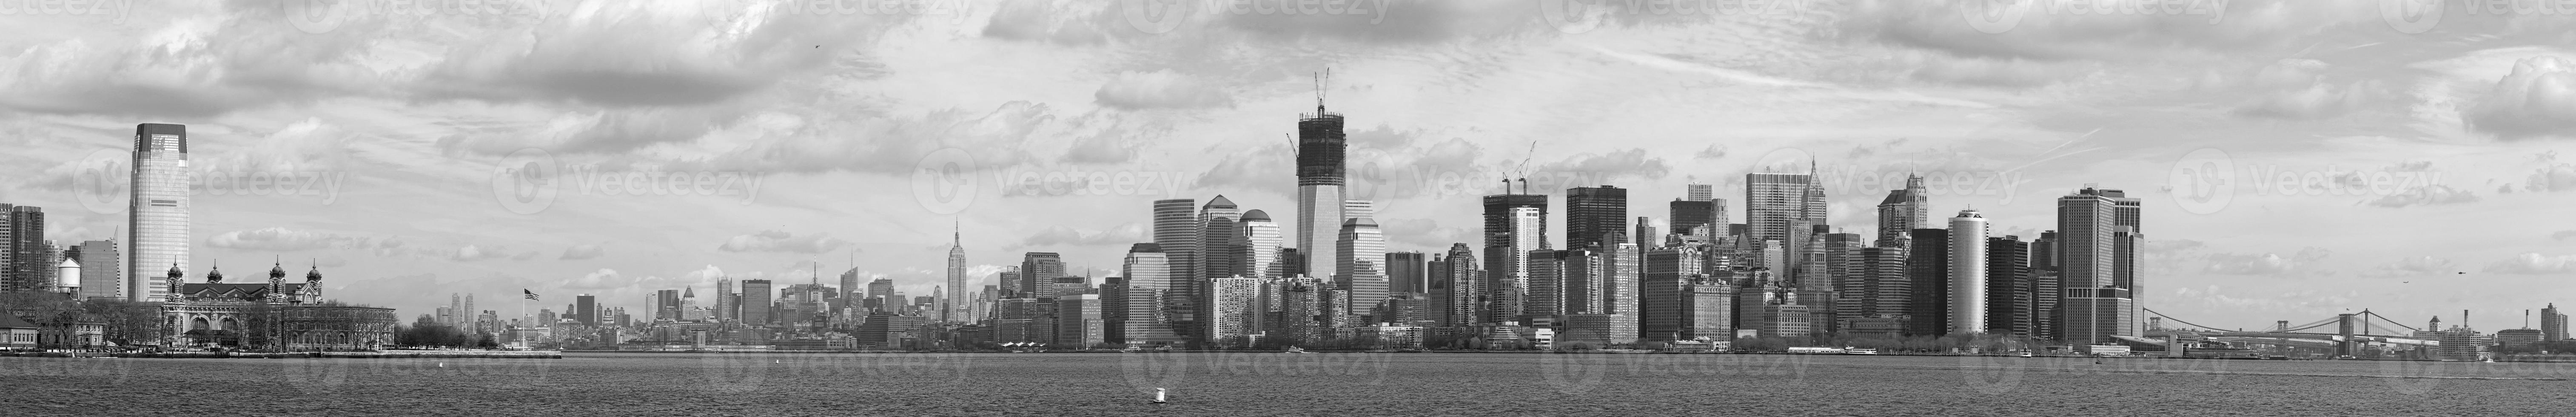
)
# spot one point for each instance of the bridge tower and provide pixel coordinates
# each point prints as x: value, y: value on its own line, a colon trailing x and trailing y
x: 2343, y: 330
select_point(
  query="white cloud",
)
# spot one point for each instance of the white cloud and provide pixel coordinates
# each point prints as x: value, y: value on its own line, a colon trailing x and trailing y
x: 283, y: 240
x: 578, y: 252
x: 2534, y: 264
x: 782, y: 241
x: 2264, y: 263
x: 2537, y: 100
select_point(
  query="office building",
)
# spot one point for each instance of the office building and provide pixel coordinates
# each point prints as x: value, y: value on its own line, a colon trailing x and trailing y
x: 1902, y: 212
x: 2096, y: 256
x: 1176, y: 231
x: 102, y: 269
x: 1927, y: 270
x: 24, y: 262
x: 2553, y: 325
x: 1457, y: 287
x: 2009, y: 301
x: 1699, y: 192
x: 1232, y: 309
x: 1692, y: 216
x: 758, y: 301
x: 1257, y: 246
x: 1595, y: 216
x: 1406, y: 273
x: 1361, y: 249
x: 1039, y: 269
x: 951, y: 311
x: 1320, y: 178
x: 585, y: 309
x: 157, y: 215
x: 1515, y: 227
x: 1967, y: 273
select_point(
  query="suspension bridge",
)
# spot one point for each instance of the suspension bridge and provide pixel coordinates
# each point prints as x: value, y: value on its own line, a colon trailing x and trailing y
x: 2350, y: 334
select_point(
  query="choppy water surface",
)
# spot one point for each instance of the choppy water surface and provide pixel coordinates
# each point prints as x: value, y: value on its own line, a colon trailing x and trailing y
x: 1275, y: 384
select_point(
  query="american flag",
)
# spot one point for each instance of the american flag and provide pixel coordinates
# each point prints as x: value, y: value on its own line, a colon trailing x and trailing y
x: 532, y: 295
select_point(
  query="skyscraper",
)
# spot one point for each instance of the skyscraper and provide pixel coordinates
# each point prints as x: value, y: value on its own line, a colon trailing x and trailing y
x: 1361, y: 248
x: 1902, y: 212
x: 1595, y: 216
x: 1256, y: 246
x: 1782, y: 208
x: 1927, y: 272
x: 2096, y: 268
x: 1218, y: 222
x: 157, y: 215
x: 1515, y: 227
x: 1038, y: 271
x: 2009, y: 302
x: 1689, y: 215
x: 1320, y: 181
x: 725, y: 308
x: 1967, y: 273
x: 1698, y: 192
x: 1406, y: 273
x: 100, y: 272
x: 952, y: 310
x: 1176, y: 231
x: 585, y: 308
x: 757, y: 300
x: 1457, y: 282
x: 24, y: 265
x: 1232, y: 309
x: 2553, y: 325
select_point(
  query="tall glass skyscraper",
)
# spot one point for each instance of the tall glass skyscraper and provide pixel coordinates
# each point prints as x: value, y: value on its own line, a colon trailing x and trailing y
x: 1967, y: 273
x: 1515, y: 226
x: 1176, y: 231
x: 1361, y: 274
x: 1595, y: 216
x: 157, y: 216
x: 2096, y: 253
x: 1320, y: 182
x: 1902, y: 212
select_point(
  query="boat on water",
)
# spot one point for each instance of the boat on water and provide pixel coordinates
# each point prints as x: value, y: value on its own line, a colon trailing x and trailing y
x: 1294, y: 349
x: 2025, y: 353
x: 1856, y: 351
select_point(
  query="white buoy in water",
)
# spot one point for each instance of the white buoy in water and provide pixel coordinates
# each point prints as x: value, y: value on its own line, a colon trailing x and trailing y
x: 1158, y: 395
x: 442, y: 364
x: 773, y: 361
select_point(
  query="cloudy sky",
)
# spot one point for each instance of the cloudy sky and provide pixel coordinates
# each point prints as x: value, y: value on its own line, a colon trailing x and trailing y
x: 2298, y: 158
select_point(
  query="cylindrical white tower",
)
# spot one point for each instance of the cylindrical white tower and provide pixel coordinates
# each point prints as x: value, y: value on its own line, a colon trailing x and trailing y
x: 1968, y: 273
x: 68, y: 274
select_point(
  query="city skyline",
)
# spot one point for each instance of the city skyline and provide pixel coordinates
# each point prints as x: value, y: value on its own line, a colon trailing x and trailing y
x: 2256, y: 257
